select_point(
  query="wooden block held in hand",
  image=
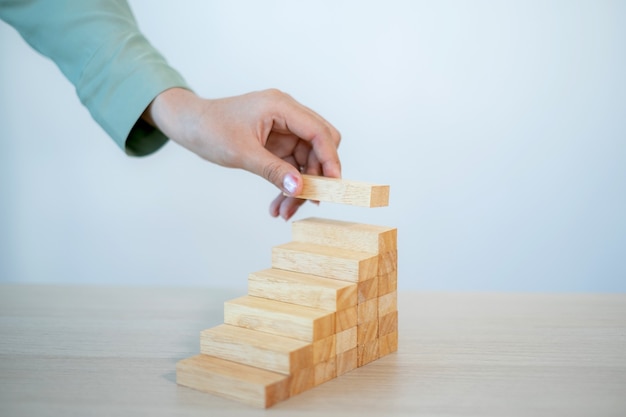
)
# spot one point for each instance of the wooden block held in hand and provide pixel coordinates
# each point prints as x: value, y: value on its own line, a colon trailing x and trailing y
x: 346, y: 235
x: 346, y: 361
x: 342, y: 191
x: 282, y: 319
x: 253, y: 386
x: 258, y: 349
x: 302, y: 289
x: 325, y: 261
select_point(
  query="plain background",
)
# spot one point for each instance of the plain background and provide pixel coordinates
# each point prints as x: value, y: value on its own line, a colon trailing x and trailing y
x: 500, y: 126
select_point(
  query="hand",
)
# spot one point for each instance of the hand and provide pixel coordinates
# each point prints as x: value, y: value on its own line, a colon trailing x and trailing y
x: 267, y: 133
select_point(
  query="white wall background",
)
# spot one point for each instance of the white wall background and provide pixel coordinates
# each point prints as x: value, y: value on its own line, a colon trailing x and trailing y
x: 501, y: 127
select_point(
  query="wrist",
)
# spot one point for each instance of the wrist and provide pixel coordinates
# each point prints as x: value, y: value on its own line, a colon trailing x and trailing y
x: 172, y: 112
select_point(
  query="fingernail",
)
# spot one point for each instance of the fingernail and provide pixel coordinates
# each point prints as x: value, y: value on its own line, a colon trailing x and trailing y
x: 290, y: 184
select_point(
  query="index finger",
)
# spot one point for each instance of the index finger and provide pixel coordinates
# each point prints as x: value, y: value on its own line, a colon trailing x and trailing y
x: 310, y: 126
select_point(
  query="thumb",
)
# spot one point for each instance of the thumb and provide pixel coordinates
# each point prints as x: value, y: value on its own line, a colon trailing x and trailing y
x: 277, y: 171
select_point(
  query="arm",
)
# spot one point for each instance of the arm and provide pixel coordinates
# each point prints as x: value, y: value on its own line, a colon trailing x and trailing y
x: 98, y: 47
x: 267, y: 133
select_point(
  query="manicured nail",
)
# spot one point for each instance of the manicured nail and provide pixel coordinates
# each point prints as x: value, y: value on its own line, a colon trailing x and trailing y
x: 290, y: 184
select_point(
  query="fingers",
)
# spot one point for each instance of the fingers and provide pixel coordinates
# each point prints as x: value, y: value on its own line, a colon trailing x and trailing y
x: 285, y: 207
x: 311, y: 127
x: 279, y: 172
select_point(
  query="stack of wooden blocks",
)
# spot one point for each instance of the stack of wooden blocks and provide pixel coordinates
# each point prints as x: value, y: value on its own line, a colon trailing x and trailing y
x: 326, y: 306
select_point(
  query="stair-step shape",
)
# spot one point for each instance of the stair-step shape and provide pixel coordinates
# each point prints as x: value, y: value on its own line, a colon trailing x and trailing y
x: 302, y: 289
x: 254, y: 348
x: 279, y: 318
x: 325, y: 261
x: 254, y: 386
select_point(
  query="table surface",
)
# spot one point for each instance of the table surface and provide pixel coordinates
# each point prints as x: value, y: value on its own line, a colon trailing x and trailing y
x: 104, y: 351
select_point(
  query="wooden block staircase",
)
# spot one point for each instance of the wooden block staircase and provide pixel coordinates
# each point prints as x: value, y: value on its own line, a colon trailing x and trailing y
x: 326, y: 306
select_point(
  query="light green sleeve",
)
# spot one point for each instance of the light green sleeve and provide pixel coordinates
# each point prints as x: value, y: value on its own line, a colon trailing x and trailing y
x: 98, y: 46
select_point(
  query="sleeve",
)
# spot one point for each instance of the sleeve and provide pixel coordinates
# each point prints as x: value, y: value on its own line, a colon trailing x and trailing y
x: 99, y: 48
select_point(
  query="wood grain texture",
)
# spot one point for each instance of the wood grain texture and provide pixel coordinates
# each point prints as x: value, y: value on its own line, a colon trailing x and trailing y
x: 387, y: 283
x: 282, y: 319
x: 388, y: 323
x: 324, y: 349
x: 368, y: 310
x: 325, y: 261
x: 367, y: 290
x: 388, y: 303
x: 346, y: 340
x: 346, y: 319
x: 258, y: 349
x: 302, y: 289
x: 342, y: 191
x: 366, y: 332
x: 388, y: 344
x: 325, y: 371
x: 367, y: 352
x: 347, y: 361
x: 345, y: 235
x: 104, y: 351
x: 247, y: 384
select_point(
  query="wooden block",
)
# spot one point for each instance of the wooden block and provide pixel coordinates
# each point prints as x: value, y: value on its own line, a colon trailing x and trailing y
x: 388, y: 344
x: 324, y: 349
x: 388, y: 303
x: 387, y: 283
x: 387, y: 324
x: 346, y: 235
x: 342, y: 191
x: 345, y: 319
x: 367, y: 353
x: 325, y: 261
x: 302, y: 289
x: 254, y: 348
x: 367, y: 311
x: 301, y: 381
x: 367, y: 290
x: 387, y: 262
x: 346, y: 340
x: 282, y: 319
x: 347, y: 361
x: 366, y: 332
x: 253, y: 386
x: 325, y: 371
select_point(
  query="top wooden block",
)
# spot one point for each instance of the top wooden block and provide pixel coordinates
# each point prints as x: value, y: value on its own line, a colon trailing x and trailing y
x: 342, y: 191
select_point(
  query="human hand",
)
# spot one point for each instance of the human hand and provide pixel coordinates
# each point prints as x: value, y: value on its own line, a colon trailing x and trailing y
x: 267, y: 133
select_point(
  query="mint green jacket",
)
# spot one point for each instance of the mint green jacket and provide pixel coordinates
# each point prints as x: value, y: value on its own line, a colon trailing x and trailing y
x: 98, y: 46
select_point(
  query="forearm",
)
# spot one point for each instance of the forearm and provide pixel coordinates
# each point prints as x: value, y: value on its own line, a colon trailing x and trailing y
x: 99, y: 48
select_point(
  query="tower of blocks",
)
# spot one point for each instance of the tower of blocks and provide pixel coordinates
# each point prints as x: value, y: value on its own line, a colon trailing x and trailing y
x: 327, y: 305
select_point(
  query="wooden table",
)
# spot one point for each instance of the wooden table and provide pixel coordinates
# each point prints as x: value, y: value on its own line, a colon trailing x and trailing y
x: 102, y: 351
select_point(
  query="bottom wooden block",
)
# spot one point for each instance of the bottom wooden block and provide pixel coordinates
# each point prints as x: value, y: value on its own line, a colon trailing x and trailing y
x: 388, y: 344
x: 247, y: 384
x: 367, y: 353
x: 347, y: 361
x: 325, y: 371
x: 301, y: 381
